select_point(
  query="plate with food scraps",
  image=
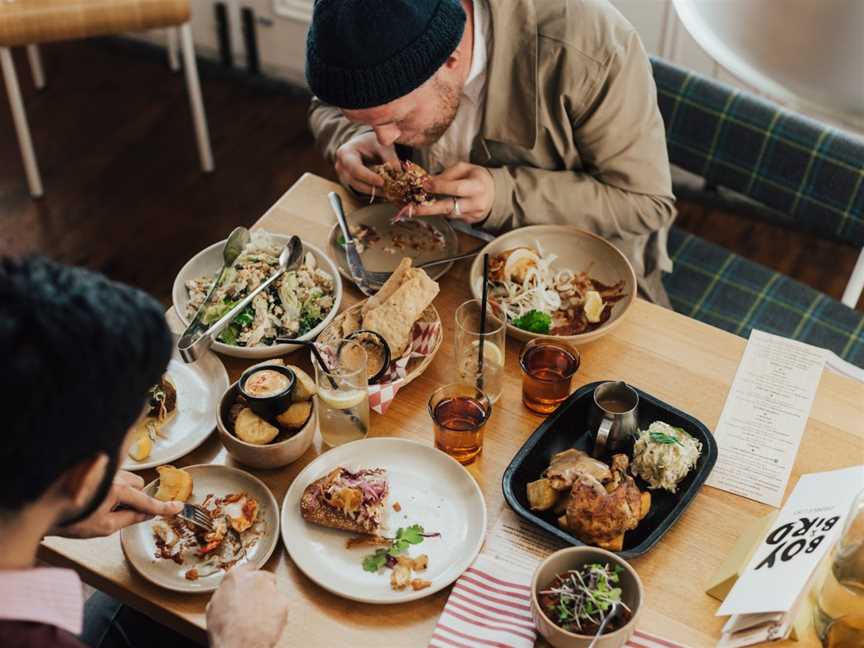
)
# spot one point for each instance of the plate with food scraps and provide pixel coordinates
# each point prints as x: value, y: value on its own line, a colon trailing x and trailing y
x: 298, y: 305
x: 382, y: 244
x: 383, y: 520
x: 623, y: 502
x: 172, y: 554
x: 181, y: 412
x: 556, y: 281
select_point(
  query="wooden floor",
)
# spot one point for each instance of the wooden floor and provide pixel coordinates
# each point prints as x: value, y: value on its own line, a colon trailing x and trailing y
x: 124, y: 193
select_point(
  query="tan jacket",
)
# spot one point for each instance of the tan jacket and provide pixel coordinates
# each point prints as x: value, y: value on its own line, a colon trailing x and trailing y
x: 571, y: 131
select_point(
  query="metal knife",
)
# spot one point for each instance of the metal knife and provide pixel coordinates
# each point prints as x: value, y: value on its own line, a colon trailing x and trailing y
x: 355, y: 265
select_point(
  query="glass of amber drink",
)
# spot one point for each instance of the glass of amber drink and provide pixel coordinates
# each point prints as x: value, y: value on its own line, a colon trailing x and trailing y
x: 459, y: 412
x: 547, y: 371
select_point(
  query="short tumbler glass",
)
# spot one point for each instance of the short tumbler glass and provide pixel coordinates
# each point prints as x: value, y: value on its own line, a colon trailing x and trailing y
x: 548, y: 367
x: 459, y: 412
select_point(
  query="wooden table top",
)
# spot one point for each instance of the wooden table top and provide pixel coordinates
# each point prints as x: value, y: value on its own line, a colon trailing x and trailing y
x: 684, y: 362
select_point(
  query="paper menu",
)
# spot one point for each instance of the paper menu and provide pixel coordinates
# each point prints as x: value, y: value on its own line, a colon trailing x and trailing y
x: 765, y: 415
x: 803, y: 532
x: 518, y: 543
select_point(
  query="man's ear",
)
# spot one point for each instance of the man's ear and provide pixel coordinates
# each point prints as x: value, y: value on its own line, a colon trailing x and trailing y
x: 79, y: 483
x: 454, y: 59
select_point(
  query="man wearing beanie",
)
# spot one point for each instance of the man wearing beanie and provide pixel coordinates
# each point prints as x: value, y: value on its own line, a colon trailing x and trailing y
x: 526, y: 112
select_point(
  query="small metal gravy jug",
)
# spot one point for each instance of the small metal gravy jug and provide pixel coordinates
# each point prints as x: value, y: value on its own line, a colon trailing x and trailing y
x: 614, y: 417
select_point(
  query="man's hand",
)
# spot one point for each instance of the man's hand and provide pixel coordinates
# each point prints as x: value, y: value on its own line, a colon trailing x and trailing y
x: 247, y: 610
x: 126, y: 504
x: 470, y: 184
x: 351, y: 159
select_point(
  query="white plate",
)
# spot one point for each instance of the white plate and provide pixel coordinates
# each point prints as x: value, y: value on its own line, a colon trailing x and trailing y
x: 432, y: 489
x: 208, y: 262
x: 375, y: 259
x: 139, y: 547
x: 199, y: 388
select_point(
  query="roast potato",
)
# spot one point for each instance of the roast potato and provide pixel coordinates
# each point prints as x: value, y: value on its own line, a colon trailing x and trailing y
x: 251, y: 428
x: 541, y: 495
x: 304, y: 387
x: 175, y: 484
x: 295, y: 417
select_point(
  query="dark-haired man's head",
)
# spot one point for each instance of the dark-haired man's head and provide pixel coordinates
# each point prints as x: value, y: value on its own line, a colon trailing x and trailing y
x: 79, y: 353
x: 398, y: 66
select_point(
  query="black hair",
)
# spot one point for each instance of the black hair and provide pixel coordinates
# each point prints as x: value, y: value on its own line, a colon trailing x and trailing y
x: 79, y: 353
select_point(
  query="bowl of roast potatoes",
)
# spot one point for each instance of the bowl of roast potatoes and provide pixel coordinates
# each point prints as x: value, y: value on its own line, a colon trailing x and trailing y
x: 271, y: 443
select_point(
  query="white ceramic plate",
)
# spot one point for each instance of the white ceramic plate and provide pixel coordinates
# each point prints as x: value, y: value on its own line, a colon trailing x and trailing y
x: 375, y: 258
x: 199, y: 388
x: 139, y: 547
x: 432, y: 489
x: 208, y: 262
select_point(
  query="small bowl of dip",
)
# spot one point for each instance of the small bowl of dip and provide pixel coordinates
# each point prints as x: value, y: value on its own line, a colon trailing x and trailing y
x: 267, y: 388
x: 377, y: 353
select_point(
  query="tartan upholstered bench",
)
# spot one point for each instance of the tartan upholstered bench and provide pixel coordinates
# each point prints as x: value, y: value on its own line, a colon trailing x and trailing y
x: 810, y: 173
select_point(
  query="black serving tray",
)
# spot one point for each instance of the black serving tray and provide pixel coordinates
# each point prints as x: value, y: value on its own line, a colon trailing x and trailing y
x: 567, y: 428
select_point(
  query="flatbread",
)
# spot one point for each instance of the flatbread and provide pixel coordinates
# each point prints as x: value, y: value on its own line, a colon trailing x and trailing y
x: 395, y: 317
x: 390, y: 286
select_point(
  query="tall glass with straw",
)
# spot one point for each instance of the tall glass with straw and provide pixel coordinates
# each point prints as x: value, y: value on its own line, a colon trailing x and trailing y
x: 481, y: 337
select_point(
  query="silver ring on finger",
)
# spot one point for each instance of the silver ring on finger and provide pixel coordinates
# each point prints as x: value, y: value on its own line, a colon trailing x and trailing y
x: 456, y: 211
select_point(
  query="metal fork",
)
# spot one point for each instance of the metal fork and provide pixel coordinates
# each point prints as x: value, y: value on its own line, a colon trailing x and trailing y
x: 378, y: 278
x: 196, y: 515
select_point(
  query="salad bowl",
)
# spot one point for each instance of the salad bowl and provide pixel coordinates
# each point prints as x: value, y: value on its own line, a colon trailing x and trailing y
x: 208, y: 262
x: 564, y: 248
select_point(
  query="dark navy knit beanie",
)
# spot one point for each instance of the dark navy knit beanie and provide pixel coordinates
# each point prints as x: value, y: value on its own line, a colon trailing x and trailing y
x: 365, y: 53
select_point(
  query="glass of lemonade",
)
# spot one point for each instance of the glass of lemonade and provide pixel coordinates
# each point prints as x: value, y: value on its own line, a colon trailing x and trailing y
x: 468, y: 336
x: 343, y: 396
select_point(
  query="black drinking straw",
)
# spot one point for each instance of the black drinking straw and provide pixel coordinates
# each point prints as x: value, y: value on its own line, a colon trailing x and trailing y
x: 483, y: 302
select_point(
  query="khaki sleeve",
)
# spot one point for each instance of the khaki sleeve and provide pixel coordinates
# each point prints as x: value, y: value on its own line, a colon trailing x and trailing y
x: 620, y: 136
x: 330, y: 128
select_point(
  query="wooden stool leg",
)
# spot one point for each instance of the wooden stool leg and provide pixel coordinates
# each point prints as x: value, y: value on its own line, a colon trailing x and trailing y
x: 193, y: 85
x: 36, y: 66
x: 171, y: 38
x: 20, y: 118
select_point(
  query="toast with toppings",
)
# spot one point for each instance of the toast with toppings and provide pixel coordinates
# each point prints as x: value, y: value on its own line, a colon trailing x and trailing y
x: 346, y: 500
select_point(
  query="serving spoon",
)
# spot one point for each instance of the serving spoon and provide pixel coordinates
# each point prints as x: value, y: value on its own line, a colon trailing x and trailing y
x: 233, y: 248
x: 192, y: 345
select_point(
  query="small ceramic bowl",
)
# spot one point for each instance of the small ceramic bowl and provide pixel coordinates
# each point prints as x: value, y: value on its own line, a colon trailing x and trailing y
x: 281, y: 452
x: 572, y: 558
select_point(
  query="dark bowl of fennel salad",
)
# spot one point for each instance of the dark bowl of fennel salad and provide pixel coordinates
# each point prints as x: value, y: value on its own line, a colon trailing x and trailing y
x: 575, y: 589
x: 298, y: 305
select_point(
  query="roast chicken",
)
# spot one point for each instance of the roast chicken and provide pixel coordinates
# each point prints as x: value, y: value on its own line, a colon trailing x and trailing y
x: 596, y: 502
x: 599, y: 514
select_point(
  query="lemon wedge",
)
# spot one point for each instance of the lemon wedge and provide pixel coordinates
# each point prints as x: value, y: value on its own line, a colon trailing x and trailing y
x: 593, y: 306
x: 491, y: 352
x: 141, y: 447
x: 341, y: 399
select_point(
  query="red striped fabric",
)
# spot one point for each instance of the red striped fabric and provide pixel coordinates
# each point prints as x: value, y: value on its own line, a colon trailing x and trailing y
x: 494, y: 611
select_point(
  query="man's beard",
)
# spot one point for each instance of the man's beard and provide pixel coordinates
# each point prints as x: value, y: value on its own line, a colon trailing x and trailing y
x: 98, y: 497
x: 448, y: 106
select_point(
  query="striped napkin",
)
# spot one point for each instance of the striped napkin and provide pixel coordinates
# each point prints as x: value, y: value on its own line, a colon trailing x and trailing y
x: 489, y: 607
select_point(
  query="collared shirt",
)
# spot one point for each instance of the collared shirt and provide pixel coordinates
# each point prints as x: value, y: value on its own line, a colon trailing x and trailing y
x: 456, y: 142
x: 42, y: 595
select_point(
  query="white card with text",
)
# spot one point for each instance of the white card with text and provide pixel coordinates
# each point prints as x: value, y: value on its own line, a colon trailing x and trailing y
x: 803, y: 532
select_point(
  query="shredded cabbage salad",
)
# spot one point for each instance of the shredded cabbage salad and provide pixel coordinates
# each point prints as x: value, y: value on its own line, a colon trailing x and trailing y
x: 293, y: 305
